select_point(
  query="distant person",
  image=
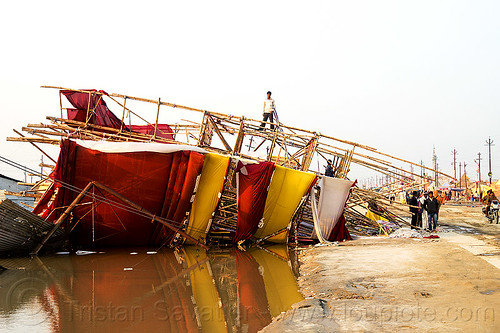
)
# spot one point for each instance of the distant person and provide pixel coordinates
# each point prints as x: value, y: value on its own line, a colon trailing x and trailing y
x: 329, y: 169
x: 488, y: 198
x: 268, y: 112
x: 413, y: 201
x: 423, y: 214
x: 431, y: 205
x: 440, y: 200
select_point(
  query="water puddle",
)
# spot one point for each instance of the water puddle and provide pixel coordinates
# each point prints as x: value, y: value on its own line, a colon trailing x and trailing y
x: 185, y: 290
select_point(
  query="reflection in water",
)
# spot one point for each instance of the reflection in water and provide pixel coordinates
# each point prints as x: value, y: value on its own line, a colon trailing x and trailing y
x: 186, y: 290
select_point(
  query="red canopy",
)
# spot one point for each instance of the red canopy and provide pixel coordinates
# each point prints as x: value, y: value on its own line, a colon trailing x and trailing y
x: 161, y: 183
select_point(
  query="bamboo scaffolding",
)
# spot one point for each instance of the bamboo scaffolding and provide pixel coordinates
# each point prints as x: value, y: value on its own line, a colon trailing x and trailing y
x: 297, y: 146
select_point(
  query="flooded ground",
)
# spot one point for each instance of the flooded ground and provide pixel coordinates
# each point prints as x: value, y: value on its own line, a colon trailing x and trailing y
x: 185, y: 290
x: 382, y: 284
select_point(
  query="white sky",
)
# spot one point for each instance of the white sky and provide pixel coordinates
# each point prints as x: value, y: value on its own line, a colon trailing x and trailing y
x: 397, y: 75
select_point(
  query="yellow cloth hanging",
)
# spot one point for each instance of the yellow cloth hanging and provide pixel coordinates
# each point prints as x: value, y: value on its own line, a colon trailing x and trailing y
x: 287, y: 188
x: 207, y: 196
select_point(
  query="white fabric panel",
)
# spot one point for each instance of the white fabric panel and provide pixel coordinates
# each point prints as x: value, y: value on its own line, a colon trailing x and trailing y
x: 130, y: 147
x: 334, y: 193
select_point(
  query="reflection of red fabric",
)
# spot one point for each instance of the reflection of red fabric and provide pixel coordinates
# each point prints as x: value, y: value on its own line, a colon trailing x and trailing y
x: 339, y: 232
x: 252, y: 193
x: 254, y: 307
x: 142, y: 177
x: 153, y: 297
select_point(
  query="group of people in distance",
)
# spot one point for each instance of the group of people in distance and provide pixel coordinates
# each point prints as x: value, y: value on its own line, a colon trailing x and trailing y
x: 424, y: 209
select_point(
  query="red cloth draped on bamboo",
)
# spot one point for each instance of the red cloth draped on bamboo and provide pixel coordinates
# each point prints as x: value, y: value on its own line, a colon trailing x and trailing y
x: 179, y: 191
x: 86, y: 101
x: 163, y: 130
x: 161, y: 183
x: 103, y: 116
x: 254, y: 306
x: 253, y: 181
x: 340, y: 232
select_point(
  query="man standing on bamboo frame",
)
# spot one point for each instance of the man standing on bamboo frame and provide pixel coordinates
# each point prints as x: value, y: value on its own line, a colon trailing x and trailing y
x: 269, y: 108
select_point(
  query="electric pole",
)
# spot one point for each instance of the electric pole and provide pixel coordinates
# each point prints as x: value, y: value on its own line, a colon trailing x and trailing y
x: 434, y: 160
x: 465, y: 173
x: 478, y: 161
x: 489, y: 143
x: 460, y: 175
x: 454, y: 152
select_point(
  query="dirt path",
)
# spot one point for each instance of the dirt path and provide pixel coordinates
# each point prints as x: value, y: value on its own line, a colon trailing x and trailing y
x: 450, y: 284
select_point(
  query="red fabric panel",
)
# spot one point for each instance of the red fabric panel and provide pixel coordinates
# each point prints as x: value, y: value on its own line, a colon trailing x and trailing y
x: 103, y: 116
x: 78, y: 115
x: 163, y: 131
x: 146, y: 178
x: 44, y: 207
x: 252, y: 194
x: 254, y: 308
x: 340, y: 232
x: 184, y: 188
x: 64, y: 170
x: 194, y: 167
x: 180, y: 174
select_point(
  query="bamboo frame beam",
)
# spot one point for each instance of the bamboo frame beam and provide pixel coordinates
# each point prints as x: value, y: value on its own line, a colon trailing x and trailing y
x: 62, y: 218
x: 219, y: 134
x: 34, y: 145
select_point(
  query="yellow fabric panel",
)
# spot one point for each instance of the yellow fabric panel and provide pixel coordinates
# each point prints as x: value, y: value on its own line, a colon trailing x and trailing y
x: 212, y: 178
x: 374, y: 217
x: 206, y: 296
x: 287, y: 187
x: 282, y: 290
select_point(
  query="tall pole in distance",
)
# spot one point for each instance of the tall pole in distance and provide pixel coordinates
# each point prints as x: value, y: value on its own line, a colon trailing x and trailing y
x: 478, y: 161
x: 434, y: 160
x: 479, y: 166
x: 465, y: 173
x: 489, y: 143
x: 454, y: 152
x: 460, y: 175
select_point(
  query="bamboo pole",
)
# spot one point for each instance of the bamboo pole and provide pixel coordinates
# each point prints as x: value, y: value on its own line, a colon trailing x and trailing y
x: 62, y: 218
x: 148, y: 213
x: 219, y: 134
x: 123, y: 114
x: 140, y: 99
x: 157, y: 115
x: 34, y: 145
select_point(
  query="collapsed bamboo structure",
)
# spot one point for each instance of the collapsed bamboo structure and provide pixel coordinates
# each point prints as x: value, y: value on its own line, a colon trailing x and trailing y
x: 241, y: 138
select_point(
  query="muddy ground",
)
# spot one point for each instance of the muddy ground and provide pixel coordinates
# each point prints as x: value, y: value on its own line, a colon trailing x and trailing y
x: 381, y: 284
